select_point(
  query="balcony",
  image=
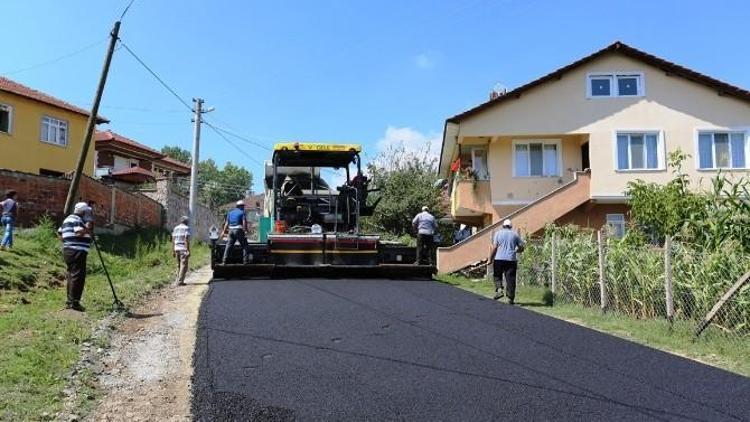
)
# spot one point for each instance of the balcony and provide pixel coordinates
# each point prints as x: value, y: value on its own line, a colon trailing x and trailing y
x: 471, y: 198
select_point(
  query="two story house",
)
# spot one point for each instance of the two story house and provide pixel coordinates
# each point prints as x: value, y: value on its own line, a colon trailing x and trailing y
x: 124, y: 160
x: 563, y: 147
x: 41, y: 134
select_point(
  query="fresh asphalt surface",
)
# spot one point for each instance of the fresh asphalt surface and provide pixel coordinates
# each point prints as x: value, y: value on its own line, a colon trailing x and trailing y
x: 311, y: 349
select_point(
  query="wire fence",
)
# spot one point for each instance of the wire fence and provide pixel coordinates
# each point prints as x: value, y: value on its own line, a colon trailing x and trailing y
x: 677, y: 282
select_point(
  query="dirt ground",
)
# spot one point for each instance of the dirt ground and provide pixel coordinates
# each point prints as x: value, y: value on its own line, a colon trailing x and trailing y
x: 146, y: 372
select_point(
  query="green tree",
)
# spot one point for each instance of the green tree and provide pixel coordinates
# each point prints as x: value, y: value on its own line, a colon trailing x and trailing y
x: 177, y: 153
x: 406, y: 182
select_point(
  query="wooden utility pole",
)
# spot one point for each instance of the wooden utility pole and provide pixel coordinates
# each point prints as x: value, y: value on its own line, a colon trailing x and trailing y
x: 93, y: 117
x: 198, y: 110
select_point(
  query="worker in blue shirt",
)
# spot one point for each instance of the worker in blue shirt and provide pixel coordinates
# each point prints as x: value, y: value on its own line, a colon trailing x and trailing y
x: 504, y: 249
x: 236, y: 225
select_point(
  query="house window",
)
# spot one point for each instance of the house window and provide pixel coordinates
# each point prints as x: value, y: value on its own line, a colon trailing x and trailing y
x: 536, y: 158
x: 479, y: 163
x: 6, y: 118
x: 617, y: 223
x: 54, y: 131
x: 638, y: 151
x: 717, y: 150
x: 603, y: 85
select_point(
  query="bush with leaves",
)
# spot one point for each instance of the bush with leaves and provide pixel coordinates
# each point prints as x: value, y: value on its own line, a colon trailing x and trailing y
x: 406, y: 182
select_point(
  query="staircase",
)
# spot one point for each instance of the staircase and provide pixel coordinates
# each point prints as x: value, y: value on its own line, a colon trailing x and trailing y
x: 529, y: 220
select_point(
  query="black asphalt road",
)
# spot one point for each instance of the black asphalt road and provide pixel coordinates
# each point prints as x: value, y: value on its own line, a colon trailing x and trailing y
x: 354, y: 350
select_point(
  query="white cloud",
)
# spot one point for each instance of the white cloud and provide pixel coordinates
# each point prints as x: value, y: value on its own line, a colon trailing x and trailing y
x: 411, y: 139
x: 424, y: 61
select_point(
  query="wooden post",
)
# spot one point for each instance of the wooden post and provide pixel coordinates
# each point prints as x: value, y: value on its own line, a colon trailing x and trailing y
x: 553, y: 286
x: 718, y: 305
x: 668, y: 278
x: 602, y: 272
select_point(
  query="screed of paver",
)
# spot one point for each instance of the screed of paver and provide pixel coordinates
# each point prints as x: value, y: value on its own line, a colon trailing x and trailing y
x: 424, y: 351
x: 148, y: 368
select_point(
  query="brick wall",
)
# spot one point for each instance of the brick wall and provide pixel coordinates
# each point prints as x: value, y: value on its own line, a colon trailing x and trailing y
x: 40, y: 195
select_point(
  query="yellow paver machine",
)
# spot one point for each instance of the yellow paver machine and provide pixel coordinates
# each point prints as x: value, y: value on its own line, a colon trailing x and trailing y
x: 315, y: 228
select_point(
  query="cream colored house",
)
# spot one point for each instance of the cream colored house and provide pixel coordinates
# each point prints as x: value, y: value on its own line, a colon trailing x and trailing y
x: 562, y: 148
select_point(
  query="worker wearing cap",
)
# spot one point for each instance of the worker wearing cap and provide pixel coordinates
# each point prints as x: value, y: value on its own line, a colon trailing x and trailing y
x: 506, y: 244
x: 236, y: 225
x: 426, y: 226
x: 181, y: 249
x: 76, y: 240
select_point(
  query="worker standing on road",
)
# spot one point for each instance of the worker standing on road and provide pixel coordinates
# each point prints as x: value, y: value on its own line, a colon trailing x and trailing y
x: 506, y: 244
x: 426, y: 226
x: 9, y: 208
x: 181, y: 249
x: 76, y: 240
x: 236, y: 225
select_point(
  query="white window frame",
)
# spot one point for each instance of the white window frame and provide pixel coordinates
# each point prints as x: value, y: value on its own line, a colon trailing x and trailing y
x: 486, y: 162
x: 620, y: 221
x: 614, y: 89
x: 743, y: 130
x: 11, y: 111
x: 556, y: 142
x: 661, y: 154
x: 58, y: 124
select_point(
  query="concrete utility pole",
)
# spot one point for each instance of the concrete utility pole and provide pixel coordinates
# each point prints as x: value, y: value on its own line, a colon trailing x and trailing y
x: 73, y: 190
x: 198, y: 110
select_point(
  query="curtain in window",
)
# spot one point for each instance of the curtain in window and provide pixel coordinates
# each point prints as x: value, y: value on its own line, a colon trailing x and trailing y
x: 637, y: 160
x: 536, y: 160
x: 705, y: 151
x: 550, y: 160
x: 522, y: 160
x: 738, y: 150
x: 652, y: 151
x: 721, y: 145
x: 622, y: 152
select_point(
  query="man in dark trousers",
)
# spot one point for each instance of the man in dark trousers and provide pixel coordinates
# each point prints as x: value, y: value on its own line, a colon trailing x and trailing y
x: 76, y: 239
x: 426, y: 226
x: 506, y: 244
x: 236, y: 225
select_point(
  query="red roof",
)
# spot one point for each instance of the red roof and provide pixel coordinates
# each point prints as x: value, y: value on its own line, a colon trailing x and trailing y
x: 13, y: 87
x: 185, y: 167
x: 670, y: 68
x: 133, y: 174
x: 108, y: 137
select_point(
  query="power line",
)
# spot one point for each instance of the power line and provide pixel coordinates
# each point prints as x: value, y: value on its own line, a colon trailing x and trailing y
x: 126, y: 9
x: 158, y: 78
x: 242, y: 138
x: 57, y: 59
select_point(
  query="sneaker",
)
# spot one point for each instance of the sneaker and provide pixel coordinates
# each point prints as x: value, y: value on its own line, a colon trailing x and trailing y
x: 511, y: 302
x: 498, y: 294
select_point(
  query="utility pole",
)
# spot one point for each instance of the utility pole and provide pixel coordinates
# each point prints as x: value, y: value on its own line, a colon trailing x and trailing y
x: 73, y: 190
x: 198, y: 110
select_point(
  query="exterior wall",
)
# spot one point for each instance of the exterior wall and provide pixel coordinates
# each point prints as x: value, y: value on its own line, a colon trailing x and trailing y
x: 527, y: 220
x: 176, y: 205
x: 105, y: 159
x: 592, y: 215
x: 671, y: 104
x: 41, y: 195
x: 23, y: 151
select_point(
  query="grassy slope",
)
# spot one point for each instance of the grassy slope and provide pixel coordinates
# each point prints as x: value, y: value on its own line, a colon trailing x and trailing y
x: 712, y: 348
x: 40, y: 344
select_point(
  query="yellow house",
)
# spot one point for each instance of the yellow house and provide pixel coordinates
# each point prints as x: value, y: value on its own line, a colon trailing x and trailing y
x: 41, y: 134
x: 563, y: 147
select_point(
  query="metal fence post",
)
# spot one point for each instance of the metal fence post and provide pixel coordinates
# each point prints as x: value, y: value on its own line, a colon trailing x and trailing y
x: 553, y: 286
x: 602, y: 271
x: 668, y: 278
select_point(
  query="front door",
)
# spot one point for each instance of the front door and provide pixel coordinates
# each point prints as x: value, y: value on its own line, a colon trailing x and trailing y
x: 585, y: 163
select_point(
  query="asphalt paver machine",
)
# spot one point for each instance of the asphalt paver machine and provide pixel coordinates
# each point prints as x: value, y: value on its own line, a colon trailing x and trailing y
x: 315, y: 228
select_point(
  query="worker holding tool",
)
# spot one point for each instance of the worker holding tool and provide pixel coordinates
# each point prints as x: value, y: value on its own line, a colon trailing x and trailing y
x: 506, y: 244
x: 181, y: 249
x: 426, y: 226
x: 76, y: 240
x: 236, y: 225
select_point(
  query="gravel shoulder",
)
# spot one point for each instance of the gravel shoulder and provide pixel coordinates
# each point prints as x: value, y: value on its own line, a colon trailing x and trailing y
x: 145, y: 373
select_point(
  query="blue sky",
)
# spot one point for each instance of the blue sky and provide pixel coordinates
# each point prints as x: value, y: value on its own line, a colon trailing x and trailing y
x: 373, y: 72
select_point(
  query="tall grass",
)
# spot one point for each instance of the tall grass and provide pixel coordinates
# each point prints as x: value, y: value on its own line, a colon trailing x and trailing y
x: 635, y: 275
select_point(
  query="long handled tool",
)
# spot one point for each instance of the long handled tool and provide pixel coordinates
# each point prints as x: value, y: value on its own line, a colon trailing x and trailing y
x: 116, y: 305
